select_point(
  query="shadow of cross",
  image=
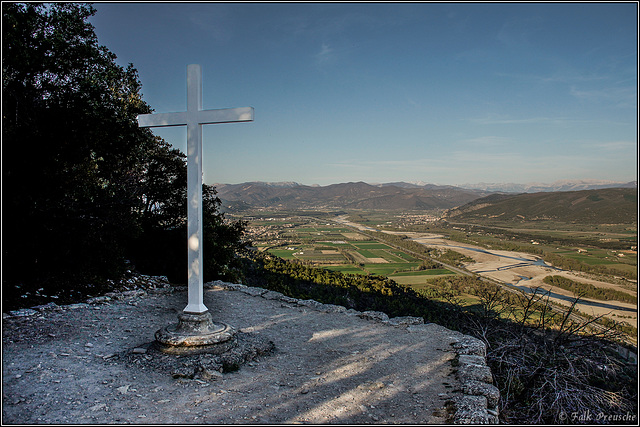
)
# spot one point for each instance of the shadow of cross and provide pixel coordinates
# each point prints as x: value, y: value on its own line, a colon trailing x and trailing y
x: 194, y: 118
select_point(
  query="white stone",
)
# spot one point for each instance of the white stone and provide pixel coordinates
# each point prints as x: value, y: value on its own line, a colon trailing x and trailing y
x: 23, y: 312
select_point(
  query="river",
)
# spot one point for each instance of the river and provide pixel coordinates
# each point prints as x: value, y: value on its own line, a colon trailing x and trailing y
x: 525, y: 261
x: 528, y: 290
x: 522, y: 262
x: 539, y: 262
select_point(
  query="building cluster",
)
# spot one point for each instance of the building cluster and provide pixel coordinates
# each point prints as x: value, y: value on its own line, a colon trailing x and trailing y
x: 408, y: 220
x: 267, y: 234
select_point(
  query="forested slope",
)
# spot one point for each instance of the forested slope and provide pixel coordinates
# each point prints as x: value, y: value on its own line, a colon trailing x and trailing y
x: 603, y: 206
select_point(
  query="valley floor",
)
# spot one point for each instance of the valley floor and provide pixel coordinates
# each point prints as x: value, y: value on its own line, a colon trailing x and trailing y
x: 522, y: 269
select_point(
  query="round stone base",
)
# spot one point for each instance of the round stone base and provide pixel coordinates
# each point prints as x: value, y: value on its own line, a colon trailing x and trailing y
x: 196, y: 333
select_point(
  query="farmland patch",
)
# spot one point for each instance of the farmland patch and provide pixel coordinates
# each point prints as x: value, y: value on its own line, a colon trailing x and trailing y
x: 377, y: 260
x: 354, y: 236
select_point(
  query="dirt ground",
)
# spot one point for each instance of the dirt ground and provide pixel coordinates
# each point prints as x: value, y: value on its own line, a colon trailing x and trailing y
x: 75, y: 365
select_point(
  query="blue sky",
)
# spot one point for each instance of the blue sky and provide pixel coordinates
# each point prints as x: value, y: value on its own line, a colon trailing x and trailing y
x: 446, y: 93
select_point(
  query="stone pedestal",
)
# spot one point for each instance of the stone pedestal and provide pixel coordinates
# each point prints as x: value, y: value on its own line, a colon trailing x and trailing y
x: 196, y: 333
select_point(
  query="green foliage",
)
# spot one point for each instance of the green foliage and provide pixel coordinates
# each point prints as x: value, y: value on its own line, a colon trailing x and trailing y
x: 429, y: 265
x: 358, y: 291
x: 567, y: 263
x: 71, y: 147
x: 589, y: 291
x: 84, y: 188
x: 399, y: 240
x: 455, y: 258
x: 602, y: 206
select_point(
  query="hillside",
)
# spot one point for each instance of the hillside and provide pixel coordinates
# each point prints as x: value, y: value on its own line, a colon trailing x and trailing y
x: 603, y: 206
x: 352, y: 195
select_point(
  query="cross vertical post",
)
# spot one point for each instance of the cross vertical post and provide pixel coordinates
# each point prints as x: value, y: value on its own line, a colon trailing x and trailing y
x: 194, y: 192
x: 194, y: 118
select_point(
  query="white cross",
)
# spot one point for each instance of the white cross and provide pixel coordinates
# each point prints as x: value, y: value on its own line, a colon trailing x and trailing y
x: 194, y: 118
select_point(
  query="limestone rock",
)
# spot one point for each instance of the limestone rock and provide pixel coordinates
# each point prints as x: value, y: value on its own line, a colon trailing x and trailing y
x: 405, y: 320
x: 333, y: 308
x: 273, y: 295
x: 23, y: 312
x: 472, y: 359
x: 289, y: 299
x: 471, y: 410
x: 310, y: 303
x: 374, y: 315
x: 97, y: 300
x: 214, y: 284
x: 478, y: 388
x: 470, y: 345
x: 78, y: 305
x: 476, y: 373
x: 235, y: 286
x: 253, y: 291
x: 424, y: 328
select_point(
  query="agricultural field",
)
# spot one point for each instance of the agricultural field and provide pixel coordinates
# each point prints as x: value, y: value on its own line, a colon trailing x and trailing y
x: 611, y: 246
x: 325, y: 244
x: 329, y: 242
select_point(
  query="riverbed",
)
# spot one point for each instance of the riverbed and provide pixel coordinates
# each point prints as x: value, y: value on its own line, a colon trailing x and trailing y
x: 524, y: 271
x: 527, y: 272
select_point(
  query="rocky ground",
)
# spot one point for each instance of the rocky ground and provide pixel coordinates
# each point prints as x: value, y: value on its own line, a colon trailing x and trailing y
x: 306, y: 363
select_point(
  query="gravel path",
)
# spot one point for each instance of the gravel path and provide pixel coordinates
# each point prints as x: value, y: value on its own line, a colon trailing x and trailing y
x: 74, y: 365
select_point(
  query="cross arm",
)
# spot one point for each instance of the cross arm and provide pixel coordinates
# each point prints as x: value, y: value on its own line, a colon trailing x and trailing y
x: 201, y: 117
x: 225, y: 115
x: 162, y: 119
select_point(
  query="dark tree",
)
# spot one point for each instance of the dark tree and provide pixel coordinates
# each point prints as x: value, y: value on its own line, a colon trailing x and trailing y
x: 70, y: 147
x: 161, y: 247
x: 82, y: 183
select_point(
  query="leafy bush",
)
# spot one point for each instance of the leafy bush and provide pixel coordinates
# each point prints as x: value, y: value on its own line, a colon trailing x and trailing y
x: 588, y: 290
x: 360, y: 292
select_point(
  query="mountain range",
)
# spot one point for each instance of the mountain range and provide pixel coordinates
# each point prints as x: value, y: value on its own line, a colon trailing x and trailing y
x: 351, y: 195
x: 387, y: 196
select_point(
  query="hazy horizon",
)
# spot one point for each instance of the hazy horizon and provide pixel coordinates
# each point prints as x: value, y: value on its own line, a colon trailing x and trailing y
x: 462, y: 185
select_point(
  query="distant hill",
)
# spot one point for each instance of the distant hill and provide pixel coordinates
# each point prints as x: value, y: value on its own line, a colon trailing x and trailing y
x: 603, y: 206
x: 354, y: 195
x: 564, y: 185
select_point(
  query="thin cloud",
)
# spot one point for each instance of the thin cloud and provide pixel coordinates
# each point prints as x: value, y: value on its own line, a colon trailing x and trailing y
x: 376, y: 164
x: 509, y: 121
x: 413, y: 102
x: 619, y: 96
x: 488, y: 141
x: 516, y: 32
x: 325, y: 55
x: 558, y: 77
x: 212, y: 22
x: 616, y: 146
